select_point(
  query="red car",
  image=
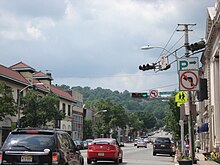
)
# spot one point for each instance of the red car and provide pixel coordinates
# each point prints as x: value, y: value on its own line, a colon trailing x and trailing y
x: 107, y: 149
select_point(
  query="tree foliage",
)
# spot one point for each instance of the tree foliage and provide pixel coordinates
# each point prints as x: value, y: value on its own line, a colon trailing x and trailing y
x: 172, y: 118
x: 40, y: 110
x: 7, y: 102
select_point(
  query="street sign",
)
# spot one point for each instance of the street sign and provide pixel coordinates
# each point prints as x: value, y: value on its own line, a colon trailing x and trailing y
x: 181, y: 97
x: 189, y: 80
x: 167, y: 93
x: 153, y: 93
x: 189, y: 63
x: 163, y: 62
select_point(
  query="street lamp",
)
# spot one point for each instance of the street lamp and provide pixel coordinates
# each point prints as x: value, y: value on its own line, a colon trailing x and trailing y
x: 148, y: 47
x: 103, y: 110
x: 19, y: 101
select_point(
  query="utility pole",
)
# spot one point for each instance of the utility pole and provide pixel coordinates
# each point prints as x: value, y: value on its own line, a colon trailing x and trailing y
x: 190, y: 122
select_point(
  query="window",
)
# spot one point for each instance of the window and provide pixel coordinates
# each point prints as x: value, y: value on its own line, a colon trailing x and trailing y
x: 69, y: 110
x: 64, y: 108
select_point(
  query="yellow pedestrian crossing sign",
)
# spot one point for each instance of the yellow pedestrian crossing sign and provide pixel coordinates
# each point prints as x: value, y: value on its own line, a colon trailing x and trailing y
x: 181, y: 97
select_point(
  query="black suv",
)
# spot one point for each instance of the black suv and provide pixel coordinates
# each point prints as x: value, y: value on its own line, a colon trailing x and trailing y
x: 163, y: 145
x: 34, y: 146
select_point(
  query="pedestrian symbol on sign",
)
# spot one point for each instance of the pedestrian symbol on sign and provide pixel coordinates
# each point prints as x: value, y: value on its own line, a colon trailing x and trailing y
x: 181, y: 97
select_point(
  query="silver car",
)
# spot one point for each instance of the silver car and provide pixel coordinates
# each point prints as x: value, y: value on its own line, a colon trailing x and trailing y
x: 141, y: 143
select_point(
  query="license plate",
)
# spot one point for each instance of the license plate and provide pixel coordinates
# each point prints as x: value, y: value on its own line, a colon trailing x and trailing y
x: 162, y: 145
x: 26, y: 158
x: 100, y: 154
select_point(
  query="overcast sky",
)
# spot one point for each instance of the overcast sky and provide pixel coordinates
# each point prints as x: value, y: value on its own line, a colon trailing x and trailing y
x: 97, y: 43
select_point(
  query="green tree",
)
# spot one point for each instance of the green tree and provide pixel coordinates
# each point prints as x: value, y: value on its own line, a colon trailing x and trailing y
x: 7, y: 102
x: 135, y: 124
x: 40, y: 110
x: 148, y: 119
x: 172, y: 118
x: 87, y: 129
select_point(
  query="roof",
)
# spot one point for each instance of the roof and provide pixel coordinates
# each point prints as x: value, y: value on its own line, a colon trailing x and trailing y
x: 12, y: 75
x: 22, y: 67
x: 61, y: 93
x: 41, y: 75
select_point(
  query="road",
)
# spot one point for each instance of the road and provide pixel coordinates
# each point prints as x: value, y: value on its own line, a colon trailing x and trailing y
x: 137, y: 156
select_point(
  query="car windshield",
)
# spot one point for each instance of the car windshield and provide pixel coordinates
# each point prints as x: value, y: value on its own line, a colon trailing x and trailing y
x: 103, y: 141
x: 29, y: 142
x: 162, y: 140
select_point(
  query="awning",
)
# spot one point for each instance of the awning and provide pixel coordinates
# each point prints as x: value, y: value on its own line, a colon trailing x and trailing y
x: 203, y: 128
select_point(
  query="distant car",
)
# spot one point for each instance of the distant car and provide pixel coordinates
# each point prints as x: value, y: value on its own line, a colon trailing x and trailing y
x: 33, y: 146
x: 173, y: 145
x: 122, y: 144
x: 79, y: 144
x: 89, y: 141
x: 141, y: 143
x: 163, y: 145
x: 104, y: 149
x: 135, y: 141
x: 85, y: 144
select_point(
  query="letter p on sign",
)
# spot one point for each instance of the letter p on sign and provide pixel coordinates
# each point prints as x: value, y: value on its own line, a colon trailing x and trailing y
x: 183, y: 64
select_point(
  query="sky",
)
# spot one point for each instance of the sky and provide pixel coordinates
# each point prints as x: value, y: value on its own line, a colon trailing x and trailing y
x: 97, y: 43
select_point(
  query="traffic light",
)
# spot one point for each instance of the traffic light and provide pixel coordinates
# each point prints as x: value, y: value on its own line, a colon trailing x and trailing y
x: 139, y: 95
x: 147, y: 66
x: 196, y: 46
x: 202, y: 94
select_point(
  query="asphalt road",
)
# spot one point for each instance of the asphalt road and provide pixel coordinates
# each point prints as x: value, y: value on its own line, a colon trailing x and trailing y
x: 137, y: 156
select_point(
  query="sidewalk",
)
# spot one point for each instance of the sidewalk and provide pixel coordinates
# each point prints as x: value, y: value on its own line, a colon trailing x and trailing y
x: 201, y: 160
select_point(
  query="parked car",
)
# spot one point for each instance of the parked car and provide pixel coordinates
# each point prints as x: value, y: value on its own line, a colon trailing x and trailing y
x: 79, y: 144
x: 141, y: 143
x: 38, y: 147
x: 135, y: 141
x: 104, y: 149
x: 85, y: 144
x: 163, y: 145
x: 89, y: 141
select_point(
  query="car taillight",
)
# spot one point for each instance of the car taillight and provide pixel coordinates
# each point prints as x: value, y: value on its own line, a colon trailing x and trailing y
x: 111, y: 147
x: 0, y: 157
x: 91, y: 147
x: 55, y: 157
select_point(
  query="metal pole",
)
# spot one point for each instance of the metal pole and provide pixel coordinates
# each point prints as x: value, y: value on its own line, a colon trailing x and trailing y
x: 190, y: 124
x: 181, y: 122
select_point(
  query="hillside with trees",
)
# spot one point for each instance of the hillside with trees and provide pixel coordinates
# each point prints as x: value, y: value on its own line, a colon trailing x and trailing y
x: 152, y: 108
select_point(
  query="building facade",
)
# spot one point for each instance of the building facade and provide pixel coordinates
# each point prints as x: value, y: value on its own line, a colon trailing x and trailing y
x: 20, y: 77
x: 210, y: 109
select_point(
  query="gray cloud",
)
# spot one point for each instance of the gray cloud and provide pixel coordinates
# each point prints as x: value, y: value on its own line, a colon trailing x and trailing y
x: 95, y: 42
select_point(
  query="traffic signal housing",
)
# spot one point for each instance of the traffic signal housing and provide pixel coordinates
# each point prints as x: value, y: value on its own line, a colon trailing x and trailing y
x: 139, y: 95
x: 147, y: 66
x: 202, y: 94
x: 196, y: 46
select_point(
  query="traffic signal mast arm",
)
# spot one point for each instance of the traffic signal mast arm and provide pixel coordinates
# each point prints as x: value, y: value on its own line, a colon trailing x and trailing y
x: 194, y: 48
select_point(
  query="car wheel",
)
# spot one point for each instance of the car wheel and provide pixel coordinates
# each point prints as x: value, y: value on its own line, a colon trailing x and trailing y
x: 89, y: 161
x: 137, y: 147
x: 117, y: 161
x: 120, y: 160
x: 82, y: 161
x: 154, y: 154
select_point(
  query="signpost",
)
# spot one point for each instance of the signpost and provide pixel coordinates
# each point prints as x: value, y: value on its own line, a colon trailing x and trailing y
x: 189, y: 80
x: 167, y: 93
x: 181, y: 97
x: 189, y: 63
x: 153, y: 93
